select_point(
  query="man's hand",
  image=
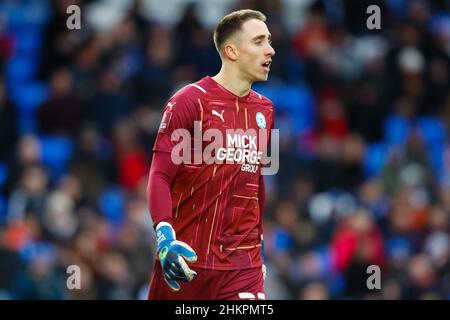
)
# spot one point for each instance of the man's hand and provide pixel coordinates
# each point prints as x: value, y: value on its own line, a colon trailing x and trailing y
x: 173, y: 255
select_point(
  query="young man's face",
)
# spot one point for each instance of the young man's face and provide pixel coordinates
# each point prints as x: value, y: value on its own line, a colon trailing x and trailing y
x: 254, y: 50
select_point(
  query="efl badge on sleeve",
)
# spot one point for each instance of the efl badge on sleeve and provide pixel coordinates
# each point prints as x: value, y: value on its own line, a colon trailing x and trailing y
x: 165, y: 121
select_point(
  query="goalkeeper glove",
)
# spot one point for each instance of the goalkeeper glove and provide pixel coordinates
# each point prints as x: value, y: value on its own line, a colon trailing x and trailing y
x: 173, y: 255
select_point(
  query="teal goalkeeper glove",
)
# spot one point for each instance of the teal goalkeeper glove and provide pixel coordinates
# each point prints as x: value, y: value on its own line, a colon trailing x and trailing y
x: 173, y: 255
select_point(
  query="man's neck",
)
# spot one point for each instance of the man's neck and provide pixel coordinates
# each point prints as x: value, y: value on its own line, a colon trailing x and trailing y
x: 232, y: 82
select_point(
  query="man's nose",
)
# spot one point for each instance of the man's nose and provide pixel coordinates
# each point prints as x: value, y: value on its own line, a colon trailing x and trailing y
x: 270, y: 51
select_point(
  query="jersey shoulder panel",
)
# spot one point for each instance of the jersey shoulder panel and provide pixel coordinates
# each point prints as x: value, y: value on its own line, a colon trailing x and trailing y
x: 263, y: 100
x: 191, y: 92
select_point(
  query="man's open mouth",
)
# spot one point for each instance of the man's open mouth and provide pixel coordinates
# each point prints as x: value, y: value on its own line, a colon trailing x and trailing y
x: 266, y: 65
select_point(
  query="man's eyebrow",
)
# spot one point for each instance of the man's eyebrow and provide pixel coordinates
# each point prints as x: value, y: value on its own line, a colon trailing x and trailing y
x: 262, y: 36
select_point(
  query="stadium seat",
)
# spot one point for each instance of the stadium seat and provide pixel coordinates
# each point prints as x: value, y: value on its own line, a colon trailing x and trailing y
x: 28, y: 96
x: 282, y: 240
x: 112, y: 204
x: 294, y: 68
x: 3, y: 208
x: 297, y: 100
x: 374, y: 159
x: 42, y: 251
x: 56, y: 152
x: 28, y: 41
x: 20, y: 68
x: 432, y: 129
x: 398, y: 248
x: 434, y: 133
x: 30, y: 13
x: 3, y: 174
x: 396, y: 130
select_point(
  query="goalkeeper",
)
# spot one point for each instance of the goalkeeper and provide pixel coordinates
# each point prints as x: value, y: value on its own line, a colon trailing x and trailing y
x: 208, y: 216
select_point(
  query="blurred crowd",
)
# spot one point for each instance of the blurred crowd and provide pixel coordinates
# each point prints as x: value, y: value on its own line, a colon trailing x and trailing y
x: 364, y: 118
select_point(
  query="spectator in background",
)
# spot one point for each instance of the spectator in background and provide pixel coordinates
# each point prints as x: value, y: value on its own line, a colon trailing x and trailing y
x: 329, y: 213
x: 110, y: 103
x: 29, y: 196
x: 406, y: 63
x: 41, y: 280
x: 59, y: 221
x: 365, y: 110
x: 8, y: 125
x: 27, y: 152
x: 85, y: 67
x: 62, y: 114
x: 91, y: 164
x: 10, y: 267
x: 194, y: 45
x: 60, y: 43
x: 131, y: 160
x: 357, y: 243
x: 158, y: 61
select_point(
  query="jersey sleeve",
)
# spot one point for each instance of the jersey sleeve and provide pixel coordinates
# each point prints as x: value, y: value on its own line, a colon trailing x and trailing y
x: 272, y: 126
x: 262, y: 202
x: 180, y: 112
x: 159, y: 201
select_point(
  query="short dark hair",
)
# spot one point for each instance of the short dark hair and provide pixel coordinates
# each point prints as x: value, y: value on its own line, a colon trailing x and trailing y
x: 232, y: 23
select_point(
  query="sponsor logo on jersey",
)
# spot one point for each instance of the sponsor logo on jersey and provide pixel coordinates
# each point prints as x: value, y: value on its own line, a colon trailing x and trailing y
x: 220, y: 115
x: 234, y: 146
x: 242, y: 149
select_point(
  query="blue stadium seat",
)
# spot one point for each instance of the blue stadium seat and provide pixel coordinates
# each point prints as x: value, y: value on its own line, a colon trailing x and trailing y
x: 297, y: 100
x: 294, y: 68
x: 325, y: 256
x: 398, y: 247
x: 282, y: 240
x: 28, y: 96
x: 112, y: 204
x: 3, y: 174
x: 21, y: 68
x: 44, y: 251
x: 396, y: 130
x: 300, y: 103
x: 268, y: 91
x: 375, y: 159
x: 3, y: 208
x: 3, y: 200
x: 29, y: 41
x: 432, y: 129
x: 434, y: 134
x: 56, y: 153
x: 440, y: 22
x: 30, y: 13
x: 398, y: 6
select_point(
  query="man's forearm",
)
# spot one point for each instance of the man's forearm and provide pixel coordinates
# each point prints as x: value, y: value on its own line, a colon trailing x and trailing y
x: 161, y: 176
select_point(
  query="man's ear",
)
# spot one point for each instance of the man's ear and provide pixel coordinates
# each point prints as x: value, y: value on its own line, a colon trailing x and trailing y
x: 230, y: 51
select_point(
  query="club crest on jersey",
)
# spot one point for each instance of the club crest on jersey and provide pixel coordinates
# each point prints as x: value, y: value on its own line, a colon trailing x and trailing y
x: 261, y: 120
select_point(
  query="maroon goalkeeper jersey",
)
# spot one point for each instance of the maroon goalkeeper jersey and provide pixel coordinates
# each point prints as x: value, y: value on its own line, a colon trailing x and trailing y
x: 215, y: 201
